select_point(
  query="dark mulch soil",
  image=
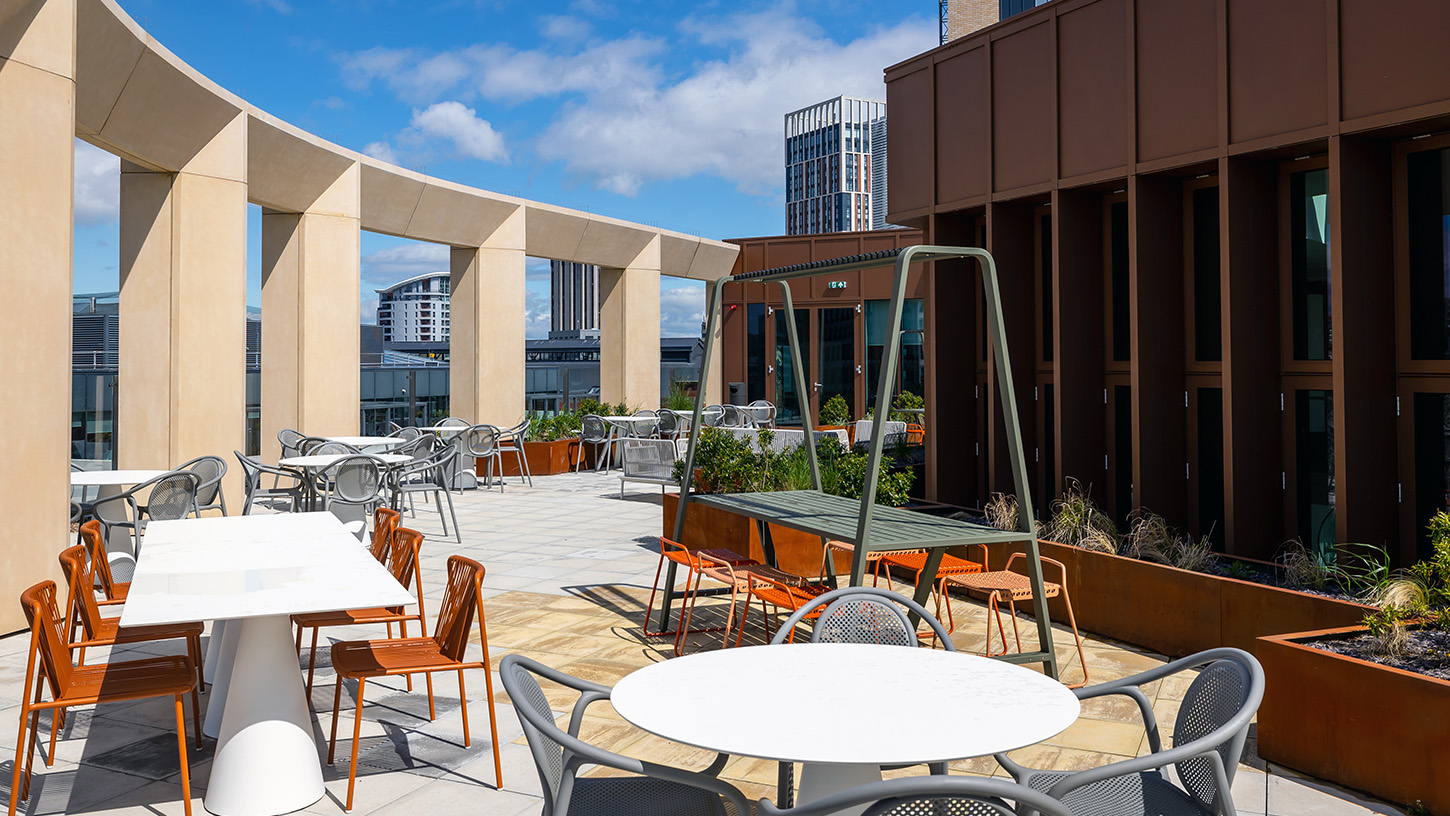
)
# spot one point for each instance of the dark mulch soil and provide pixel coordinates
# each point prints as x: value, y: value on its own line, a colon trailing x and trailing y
x: 1428, y: 652
x: 1248, y: 572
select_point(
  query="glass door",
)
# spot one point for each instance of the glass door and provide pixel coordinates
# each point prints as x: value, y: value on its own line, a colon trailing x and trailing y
x: 787, y: 402
x: 836, y: 343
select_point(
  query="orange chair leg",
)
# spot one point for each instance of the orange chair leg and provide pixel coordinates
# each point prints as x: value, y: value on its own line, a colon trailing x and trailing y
x: 493, y: 728
x: 356, y: 736
x: 15, y: 773
x: 196, y: 717
x: 403, y: 633
x: 30, y: 750
x: 1067, y: 599
x: 1012, y: 605
x: 336, y: 705
x: 299, y: 640
x: 463, y: 701
x: 432, y: 713
x: 311, y: 665
x: 185, y: 766
x: 54, y: 730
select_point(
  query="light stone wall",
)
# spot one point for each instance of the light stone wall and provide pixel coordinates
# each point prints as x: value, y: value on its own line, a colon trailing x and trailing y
x: 967, y: 16
x: 486, y: 344
x: 629, y: 328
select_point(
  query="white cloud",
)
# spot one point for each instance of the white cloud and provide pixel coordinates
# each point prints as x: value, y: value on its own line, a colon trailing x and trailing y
x: 471, y: 136
x: 564, y: 27
x: 536, y: 314
x: 97, y: 185
x: 682, y: 309
x: 382, y: 151
x: 630, y: 121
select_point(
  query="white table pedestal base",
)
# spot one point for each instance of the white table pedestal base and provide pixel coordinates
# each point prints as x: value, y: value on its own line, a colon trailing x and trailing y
x: 224, y: 645
x: 266, y: 760
x: 819, y: 780
x: 213, y: 652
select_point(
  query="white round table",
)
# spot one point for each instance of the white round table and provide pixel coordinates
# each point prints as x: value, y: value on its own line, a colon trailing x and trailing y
x: 119, y: 543
x: 320, y: 461
x: 845, y: 709
x: 365, y: 443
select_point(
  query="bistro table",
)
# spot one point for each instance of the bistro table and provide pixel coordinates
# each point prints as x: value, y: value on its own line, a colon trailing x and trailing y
x: 315, y: 463
x: 111, y: 483
x: 367, y: 443
x: 255, y: 572
x: 954, y: 706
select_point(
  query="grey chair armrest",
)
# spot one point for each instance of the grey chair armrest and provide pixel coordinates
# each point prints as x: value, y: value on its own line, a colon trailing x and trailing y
x: 1149, y: 763
x: 910, y: 788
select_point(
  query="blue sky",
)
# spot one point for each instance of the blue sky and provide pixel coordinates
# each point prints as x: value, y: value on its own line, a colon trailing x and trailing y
x: 665, y: 113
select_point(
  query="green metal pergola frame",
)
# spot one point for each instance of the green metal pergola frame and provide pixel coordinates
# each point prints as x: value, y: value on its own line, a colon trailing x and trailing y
x: 868, y: 527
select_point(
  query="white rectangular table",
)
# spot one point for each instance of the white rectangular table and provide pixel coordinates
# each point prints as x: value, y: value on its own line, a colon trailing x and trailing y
x: 255, y: 572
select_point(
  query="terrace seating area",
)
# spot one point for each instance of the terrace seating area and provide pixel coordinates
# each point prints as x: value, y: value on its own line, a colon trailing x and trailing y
x: 568, y: 567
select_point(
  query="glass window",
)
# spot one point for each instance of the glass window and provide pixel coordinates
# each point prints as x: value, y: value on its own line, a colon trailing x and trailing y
x: 755, y: 351
x: 788, y: 409
x: 1123, y: 454
x: 1210, y: 464
x: 1314, y: 451
x: 1044, y: 261
x: 1207, y: 295
x: 1429, y: 228
x: 1432, y: 463
x: 911, y: 372
x: 1122, y: 310
x: 1309, y: 264
x: 838, y: 356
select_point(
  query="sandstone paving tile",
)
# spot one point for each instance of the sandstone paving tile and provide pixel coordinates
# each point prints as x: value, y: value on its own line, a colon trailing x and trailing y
x: 1104, y: 736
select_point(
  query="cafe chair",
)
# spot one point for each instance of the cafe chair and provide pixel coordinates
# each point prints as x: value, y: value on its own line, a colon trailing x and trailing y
x: 452, y: 422
x: 1006, y: 585
x: 734, y: 416
x: 1208, y: 739
x: 511, y: 440
x: 929, y: 796
x: 762, y: 413
x: 593, y: 431
x: 559, y: 755
x: 294, y: 489
x: 427, y: 475
x: 291, y: 442
x: 112, y: 591
x: 402, y: 561
x: 485, y: 442
x: 669, y: 424
x: 354, y: 482
x: 209, y: 470
x: 914, y: 562
x: 692, y: 561
x: 171, y: 495
x: 774, y: 595
x: 405, y: 432
x: 859, y: 615
x: 738, y: 575
x: 360, y: 660
x: 73, y: 685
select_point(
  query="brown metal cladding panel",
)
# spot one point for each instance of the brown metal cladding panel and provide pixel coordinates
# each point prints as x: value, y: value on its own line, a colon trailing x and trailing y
x: 821, y: 290
x: 963, y: 136
x: 1024, y: 98
x: 786, y: 252
x: 909, y: 150
x: 752, y: 256
x: 1092, y: 75
x: 1277, y: 67
x: 1392, y: 55
x: 1177, y: 62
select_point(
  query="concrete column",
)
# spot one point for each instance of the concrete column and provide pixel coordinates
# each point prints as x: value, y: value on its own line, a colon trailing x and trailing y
x: 310, y: 269
x: 182, y: 383
x: 37, y: 136
x: 486, y: 334
x: 629, y: 331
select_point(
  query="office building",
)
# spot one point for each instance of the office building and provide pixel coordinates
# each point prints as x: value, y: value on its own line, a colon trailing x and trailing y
x: 415, y: 310
x: 962, y: 17
x: 573, y: 300
x: 830, y: 156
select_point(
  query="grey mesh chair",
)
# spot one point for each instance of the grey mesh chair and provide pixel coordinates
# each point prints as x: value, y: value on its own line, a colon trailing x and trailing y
x: 452, y: 422
x: 427, y: 475
x: 511, y: 440
x: 325, y: 448
x: 172, y: 495
x: 210, y: 470
x: 408, y: 433
x: 294, y: 490
x: 310, y: 444
x: 482, y: 443
x: 646, y: 426
x: 1208, y: 739
x: 859, y: 615
x: 762, y: 412
x: 559, y: 755
x: 354, y: 488
x: 733, y: 416
x: 291, y: 442
x: 593, y: 431
x: 712, y: 416
x: 669, y: 425
x: 929, y: 796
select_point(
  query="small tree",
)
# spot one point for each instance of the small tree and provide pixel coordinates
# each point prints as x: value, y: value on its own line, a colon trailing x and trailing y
x: 835, y: 411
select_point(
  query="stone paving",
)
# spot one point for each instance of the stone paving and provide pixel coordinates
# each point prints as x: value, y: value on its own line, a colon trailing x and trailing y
x: 570, y: 565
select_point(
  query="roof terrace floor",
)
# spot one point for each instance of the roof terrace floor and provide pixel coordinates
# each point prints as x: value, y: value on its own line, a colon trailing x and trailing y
x: 570, y: 565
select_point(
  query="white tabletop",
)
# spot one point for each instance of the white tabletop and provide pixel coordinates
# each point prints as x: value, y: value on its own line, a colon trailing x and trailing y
x: 229, y: 567
x: 88, y: 478
x: 864, y: 703
x: 322, y: 460
x: 368, y: 441
x: 629, y: 418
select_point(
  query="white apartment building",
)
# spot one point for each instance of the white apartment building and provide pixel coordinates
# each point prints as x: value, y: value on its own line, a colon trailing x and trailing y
x: 835, y: 167
x: 415, y: 310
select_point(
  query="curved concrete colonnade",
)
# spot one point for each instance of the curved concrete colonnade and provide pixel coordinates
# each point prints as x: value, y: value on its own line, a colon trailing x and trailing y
x: 193, y: 156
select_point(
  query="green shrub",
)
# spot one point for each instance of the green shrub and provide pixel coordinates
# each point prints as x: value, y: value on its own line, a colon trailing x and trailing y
x: 1420, y: 594
x: 899, y: 404
x: 1077, y: 522
x: 727, y: 463
x: 835, y: 411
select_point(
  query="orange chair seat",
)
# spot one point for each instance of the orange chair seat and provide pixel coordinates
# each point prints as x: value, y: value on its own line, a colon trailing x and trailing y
x: 349, y: 617
x: 790, y: 597
x: 110, y: 630
x: 1003, y: 584
x: 118, y: 594
x: 915, y: 560
x: 744, y: 570
x: 371, y: 658
x: 730, y: 557
x: 130, y: 680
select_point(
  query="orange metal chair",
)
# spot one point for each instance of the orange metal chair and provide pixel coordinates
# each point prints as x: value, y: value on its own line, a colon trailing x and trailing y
x: 112, y: 592
x: 1009, y: 586
x: 736, y: 575
x: 73, y: 685
x: 873, y: 558
x: 915, y: 434
x: 691, y: 560
x: 914, y: 561
x: 385, y: 523
x: 402, y: 562
x: 771, y: 591
x: 444, y: 651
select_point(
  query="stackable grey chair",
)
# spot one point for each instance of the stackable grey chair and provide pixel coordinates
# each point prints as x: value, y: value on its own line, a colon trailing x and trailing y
x: 594, y: 431
x: 172, y: 496
x: 669, y: 425
x: 733, y: 416
x: 647, y: 426
x: 291, y: 442
x: 482, y: 442
x: 252, y: 472
x: 712, y: 416
x: 326, y: 447
x: 408, y: 433
x: 354, y: 487
x: 762, y: 413
x: 429, y: 474
x: 559, y: 754
x: 859, y: 615
x: 512, y: 441
x: 1208, y: 739
x: 310, y: 444
x: 210, y: 470
x: 452, y: 422
x: 930, y: 796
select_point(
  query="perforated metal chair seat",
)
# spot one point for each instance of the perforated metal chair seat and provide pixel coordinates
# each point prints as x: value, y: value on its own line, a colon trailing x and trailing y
x: 642, y: 796
x: 915, y: 560
x: 1004, y: 584
x: 1143, y: 794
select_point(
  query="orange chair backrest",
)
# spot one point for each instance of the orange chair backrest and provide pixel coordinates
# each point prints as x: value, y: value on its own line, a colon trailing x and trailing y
x: 460, y: 599
x: 403, y: 564
x: 47, y: 626
x: 82, y: 598
x: 385, y: 522
x: 100, y: 564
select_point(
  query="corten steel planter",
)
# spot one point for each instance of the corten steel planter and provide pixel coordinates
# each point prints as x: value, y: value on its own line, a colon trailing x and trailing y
x: 547, y: 458
x: 708, y: 527
x: 1371, y: 727
x: 1180, y: 612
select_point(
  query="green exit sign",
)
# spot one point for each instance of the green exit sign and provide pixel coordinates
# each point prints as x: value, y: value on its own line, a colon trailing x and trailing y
x: 835, y: 284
